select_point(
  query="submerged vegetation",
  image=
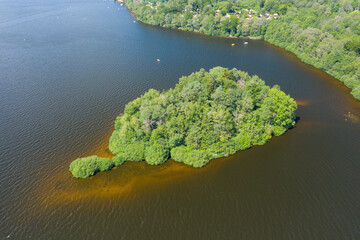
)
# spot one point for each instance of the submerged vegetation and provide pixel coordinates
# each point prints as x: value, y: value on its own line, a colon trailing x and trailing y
x: 206, y: 116
x: 323, y: 33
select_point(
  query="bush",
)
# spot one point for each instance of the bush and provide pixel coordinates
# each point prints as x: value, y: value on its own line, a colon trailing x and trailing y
x: 352, y: 46
x: 104, y: 164
x: 88, y: 166
x: 176, y: 140
x: 278, y: 131
x: 156, y: 154
x: 222, y: 149
x: 195, y: 158
x: 119, y: 159
x: 114, y: 143
x: 356, y: 92
x: 134, y: 152
x: 178, y: 153
x: 241, y: 142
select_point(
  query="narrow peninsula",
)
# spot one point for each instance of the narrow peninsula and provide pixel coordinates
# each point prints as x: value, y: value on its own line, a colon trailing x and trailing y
x: 207, y: 115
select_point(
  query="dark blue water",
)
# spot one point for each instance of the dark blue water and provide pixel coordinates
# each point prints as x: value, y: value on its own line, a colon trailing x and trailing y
x: 67, y: 70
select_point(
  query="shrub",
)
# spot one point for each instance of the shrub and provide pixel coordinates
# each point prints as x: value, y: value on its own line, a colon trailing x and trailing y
x: 352, y: 46
x: 278, y: 131
x: 222, y: 149
x: 356, y: 92
x: 119, y: 159
x: 195, y: 158
x: 178, y: 153
x: 134, y: 152
x: 88, y: 166
x: 242, y: 142
x: 156, y: 154
x: 104, y: 164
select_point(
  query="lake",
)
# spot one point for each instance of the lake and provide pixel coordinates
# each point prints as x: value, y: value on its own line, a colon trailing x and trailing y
x: 67, y: 70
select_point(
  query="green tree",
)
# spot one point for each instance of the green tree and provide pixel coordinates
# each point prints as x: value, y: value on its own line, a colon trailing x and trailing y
x: 156, y: 154
x: 88, y: 166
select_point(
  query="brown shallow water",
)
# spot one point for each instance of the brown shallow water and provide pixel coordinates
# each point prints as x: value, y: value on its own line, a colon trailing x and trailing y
x: 68, y: 69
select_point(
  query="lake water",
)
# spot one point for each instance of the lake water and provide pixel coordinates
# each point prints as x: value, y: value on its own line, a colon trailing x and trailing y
x: 67, y: 70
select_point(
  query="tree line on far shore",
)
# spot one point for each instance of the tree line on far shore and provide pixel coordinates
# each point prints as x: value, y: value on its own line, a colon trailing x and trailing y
x: 323, y: 33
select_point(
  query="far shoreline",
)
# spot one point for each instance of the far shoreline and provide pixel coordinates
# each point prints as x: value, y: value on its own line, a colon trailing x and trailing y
x: 180, y: 29
x: 247, y: 37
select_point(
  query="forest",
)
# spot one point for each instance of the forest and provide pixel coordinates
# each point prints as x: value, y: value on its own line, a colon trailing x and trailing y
x: 207, y: 115
x: 323, y: 33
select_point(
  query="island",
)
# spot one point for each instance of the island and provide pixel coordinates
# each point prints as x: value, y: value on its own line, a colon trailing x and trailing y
x: 207, y: 115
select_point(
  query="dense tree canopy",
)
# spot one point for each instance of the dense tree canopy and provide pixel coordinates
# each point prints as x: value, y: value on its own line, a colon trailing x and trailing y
x: 324, y: 33
x: 325, y: 39
x: 207, y: 115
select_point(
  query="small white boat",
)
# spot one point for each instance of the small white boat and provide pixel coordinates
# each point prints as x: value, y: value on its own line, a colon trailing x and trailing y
x: 245, y: 42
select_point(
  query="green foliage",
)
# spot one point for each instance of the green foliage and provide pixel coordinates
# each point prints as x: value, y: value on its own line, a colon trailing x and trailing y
x: 328, y: 41
x: 104, y: 164
x: 352, y: 46
x: 119, y: 159
x: 156, y: 154
x: 324, y: 34
x: 217, y: 18
x: 271, y: 6
x: 88, y: 166
x: 134, y: 152
x: 278, y: 130
x: 356, y: 92
x: 207, y: 115
x: 195, y: 158
x: 242, y: 141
